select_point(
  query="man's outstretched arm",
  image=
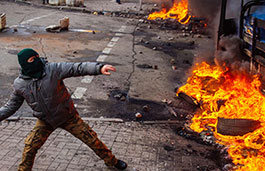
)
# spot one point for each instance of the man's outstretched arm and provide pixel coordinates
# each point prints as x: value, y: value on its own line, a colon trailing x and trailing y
x: 68, y: 69
x: 13, y: 104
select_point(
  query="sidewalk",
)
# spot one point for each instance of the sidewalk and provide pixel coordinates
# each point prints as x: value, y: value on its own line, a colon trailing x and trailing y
x: 145, y: 147
x: 90, y: 6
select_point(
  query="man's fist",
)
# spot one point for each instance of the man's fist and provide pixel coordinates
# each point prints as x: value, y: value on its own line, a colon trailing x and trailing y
x: 106, y: 68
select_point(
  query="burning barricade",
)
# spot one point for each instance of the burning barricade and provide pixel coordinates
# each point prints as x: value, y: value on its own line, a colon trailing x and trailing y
x: 232, y: 107
x: 177, y: 15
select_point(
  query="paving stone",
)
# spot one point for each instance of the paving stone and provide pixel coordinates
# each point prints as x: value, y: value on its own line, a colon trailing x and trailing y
x: 141, y: 146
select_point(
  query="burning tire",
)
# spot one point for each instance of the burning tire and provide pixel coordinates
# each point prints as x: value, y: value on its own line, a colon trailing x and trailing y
x: 236, y: 127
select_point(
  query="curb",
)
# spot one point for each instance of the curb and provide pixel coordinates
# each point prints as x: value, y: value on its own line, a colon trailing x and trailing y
x: 116, y: 120
x: 75, y: 9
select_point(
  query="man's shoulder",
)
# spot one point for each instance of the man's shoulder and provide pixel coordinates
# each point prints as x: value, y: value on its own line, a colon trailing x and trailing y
x: 19, y: 82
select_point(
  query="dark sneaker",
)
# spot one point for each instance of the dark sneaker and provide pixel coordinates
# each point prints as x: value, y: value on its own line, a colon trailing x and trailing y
x: 121, y: 165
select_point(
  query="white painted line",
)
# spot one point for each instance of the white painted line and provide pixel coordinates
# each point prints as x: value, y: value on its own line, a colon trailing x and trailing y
x: 101, y: 58
x: 87, y: 79
x: 111, y: 44
x: 83, y: 31
x: 122, y: 28
x: 114, y: 39
x: 107, y: 50
x: 36, y: 18
x: 119, y: 34
x: 79, y: 92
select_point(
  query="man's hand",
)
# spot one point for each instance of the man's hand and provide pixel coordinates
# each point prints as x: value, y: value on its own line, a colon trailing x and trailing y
x: 106, y: 68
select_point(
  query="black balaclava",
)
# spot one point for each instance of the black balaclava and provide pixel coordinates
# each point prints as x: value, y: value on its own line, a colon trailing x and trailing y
x: 30, y: 63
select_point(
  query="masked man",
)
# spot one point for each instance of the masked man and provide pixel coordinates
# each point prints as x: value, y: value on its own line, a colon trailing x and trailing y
x: 41, y: 85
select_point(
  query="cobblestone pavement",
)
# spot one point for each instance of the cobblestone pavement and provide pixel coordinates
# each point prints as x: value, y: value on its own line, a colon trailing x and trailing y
x: 152, y: 147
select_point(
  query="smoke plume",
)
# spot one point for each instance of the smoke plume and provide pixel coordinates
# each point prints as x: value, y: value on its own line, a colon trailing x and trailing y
x: 229, y: 54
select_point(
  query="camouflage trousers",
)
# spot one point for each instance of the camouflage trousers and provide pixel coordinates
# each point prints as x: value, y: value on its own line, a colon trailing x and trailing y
x: 77, y: 127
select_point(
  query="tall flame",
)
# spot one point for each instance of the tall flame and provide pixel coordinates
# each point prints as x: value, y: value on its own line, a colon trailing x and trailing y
x: 241, y: 98
x: 178, y: 11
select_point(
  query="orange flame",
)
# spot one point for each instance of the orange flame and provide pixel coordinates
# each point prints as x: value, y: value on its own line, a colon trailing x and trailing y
x: 242, y: 99
x: 178, y: 11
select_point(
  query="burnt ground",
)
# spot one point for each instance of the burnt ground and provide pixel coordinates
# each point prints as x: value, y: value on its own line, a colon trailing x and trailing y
x: 176, y: 48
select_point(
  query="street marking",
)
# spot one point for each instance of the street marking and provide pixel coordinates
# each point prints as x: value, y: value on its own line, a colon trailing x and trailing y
x: 111, y: 44
x: 114, y: 39
x: 84, y: 31
x: 122, y: 28
x: 36, y: 18
x: 79, y: 93
x: 101, y: 58
x: 87, y: 79
x: 107, y: 50
x: 119, y: 34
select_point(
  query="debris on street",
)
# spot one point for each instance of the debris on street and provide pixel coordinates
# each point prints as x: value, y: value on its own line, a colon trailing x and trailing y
x: 138, y: 115
x: 64, y: 25
x: 2, y: 21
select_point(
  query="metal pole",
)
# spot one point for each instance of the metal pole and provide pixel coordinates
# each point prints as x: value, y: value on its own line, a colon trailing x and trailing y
x: 222, y: 20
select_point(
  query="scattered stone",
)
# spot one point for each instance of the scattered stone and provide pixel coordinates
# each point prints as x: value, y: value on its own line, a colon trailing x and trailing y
x: 164, y: 100
x: 171, y: 38
x: 138, y: 115
x: 145, y: 66
x: 189, y: 150
x: 172, y: 61
x: 174, y: 67
x: 123, y: 98
x: 167, y: 101
x: 158, y: 37
x: 189, y: 145
x: 186, y: 62
x: 107, y: 13
x: 141, y: 20
x: 168, y: 148
x: 155, y: 5
x: 146, y: 42
x: 146, y: 108
x: 149, y: 27
x: 198, y: 36
x: 118, y: 96
x: 192, y: 43
x: 184, y: 34
x: 154, y: 48
x: 228, y: 167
